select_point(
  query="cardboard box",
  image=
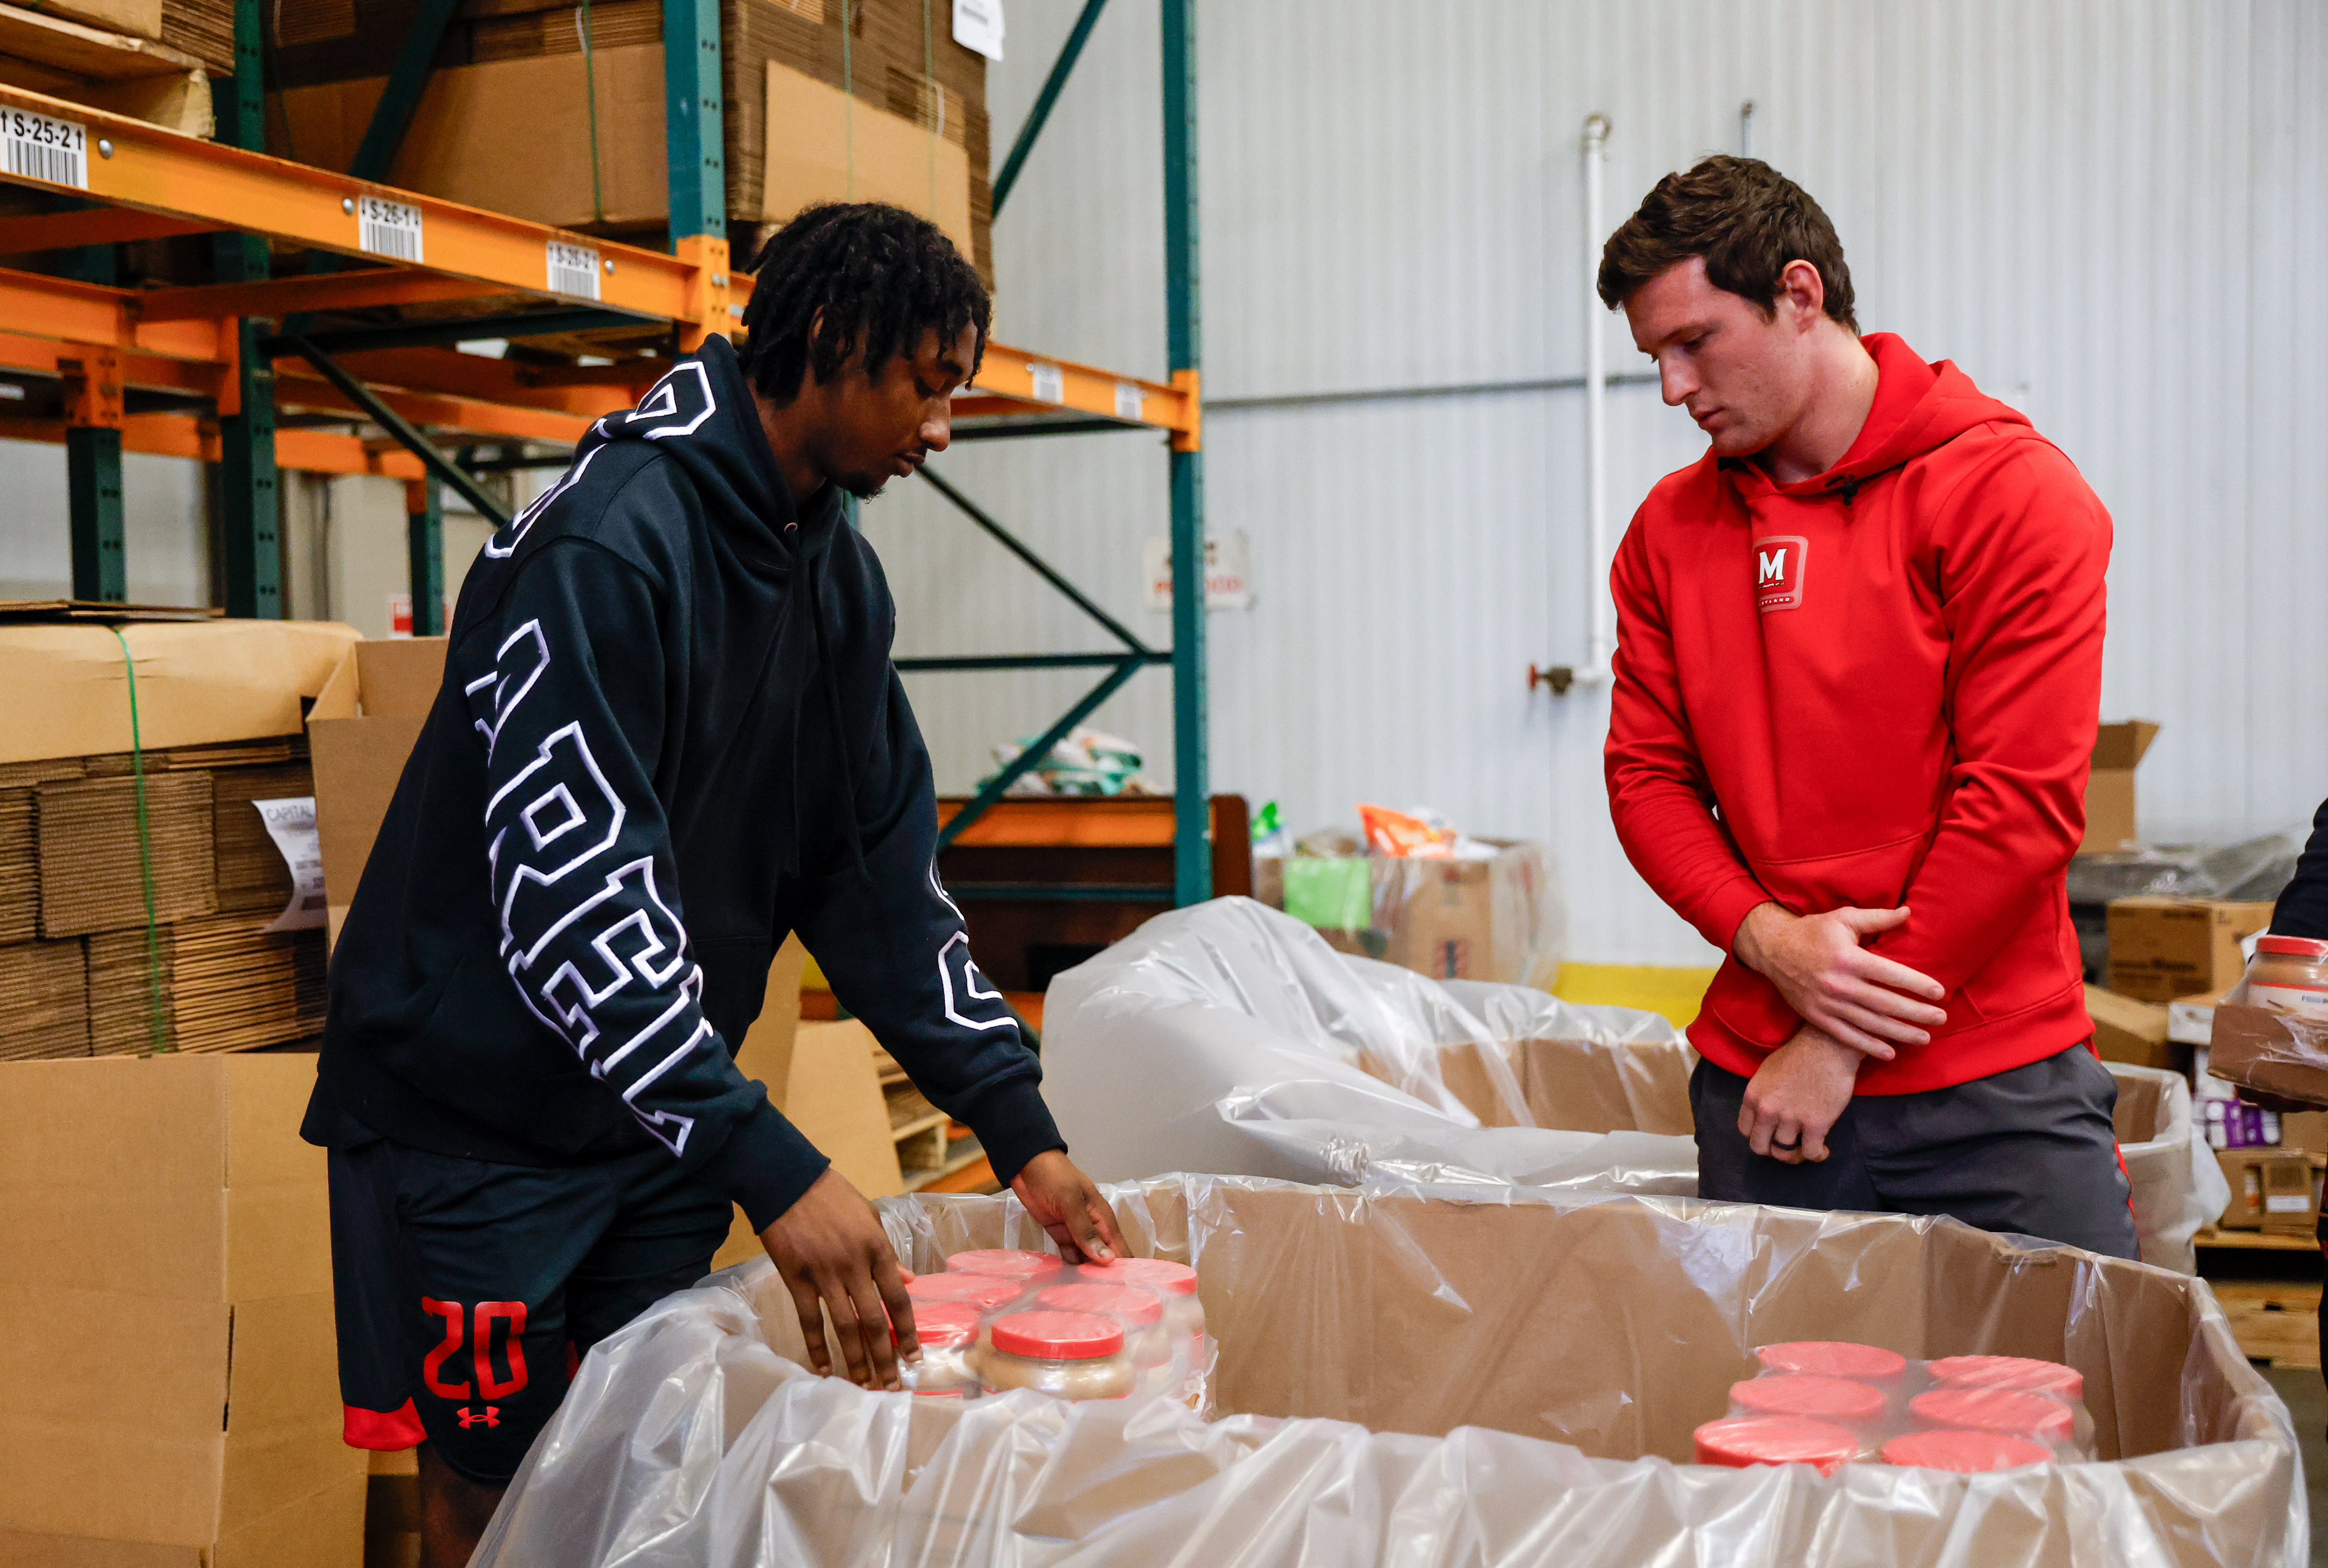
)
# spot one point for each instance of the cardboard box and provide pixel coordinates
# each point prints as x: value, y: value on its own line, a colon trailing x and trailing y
x: 1500, y: 1378
x: 2165, y: 948
x: 198, y: 682
x: 514, y: 136
x: 2109, y: 786
x: 2130, y: 1031
x: 367, y: 715
x: 824, y: 144
x: 169, y: 1265
x: 1466, y: 919
x: 2275, y: 1052
x: 2272, y: 1190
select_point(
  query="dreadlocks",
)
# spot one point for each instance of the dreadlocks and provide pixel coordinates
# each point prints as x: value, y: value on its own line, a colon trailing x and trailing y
x: 879, y: 276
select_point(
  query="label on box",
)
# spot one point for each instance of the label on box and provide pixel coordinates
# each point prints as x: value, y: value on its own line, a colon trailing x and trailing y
x: 2287, y: 1203
x: 978, y: 25
x: 389, y: 229
x: 1050, y: 383
x: 36, y: 147
x: 1131, y: 402
x: 573, y: 269
x: 291, y: 823
x: 2289, y: 999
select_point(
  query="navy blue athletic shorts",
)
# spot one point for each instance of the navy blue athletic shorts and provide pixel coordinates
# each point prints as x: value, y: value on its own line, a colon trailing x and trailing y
x: 466, y: 1293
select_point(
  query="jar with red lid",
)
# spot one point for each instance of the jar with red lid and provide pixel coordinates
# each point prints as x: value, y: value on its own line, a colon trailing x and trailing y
x: 2289, y: 974
x: 1175, y: 1285
x: 1065, y: 1355
x: 1965, y: 1453
x: 947, y: 1330
x: 1739, y: 1441
x: 1838, y: 1401
x: 2010, y: 1412
x: 1139, y: 1313
x: 985, y: 1292
x: 2026, y: 1373
x: 1010, y: 1263
x: 1834, y: 1358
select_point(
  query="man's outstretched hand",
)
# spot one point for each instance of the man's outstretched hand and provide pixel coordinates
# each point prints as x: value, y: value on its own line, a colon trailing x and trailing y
x: 835, y: 1258
x: 1066, y: 1204
x: 1853, y: 997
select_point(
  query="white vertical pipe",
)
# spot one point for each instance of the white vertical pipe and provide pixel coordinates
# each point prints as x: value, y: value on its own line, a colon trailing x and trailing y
x: 1602, y: 646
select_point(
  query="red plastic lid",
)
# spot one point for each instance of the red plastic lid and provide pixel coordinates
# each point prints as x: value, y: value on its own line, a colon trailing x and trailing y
x: 2293, y: 946
x: 1140, y: 1306
x: 979, y: 1290
x: 1058, y: 1336
x: 1159, y: 1275
x: 1774, y: 1440
x: 1800, y: 1393
x: 2021, y: 1372
x: 1010, y: 1262
x: 943, y: 1325
x: 2008, y: 1410
x: 1964, y: 1452
x: 1832, y: 1358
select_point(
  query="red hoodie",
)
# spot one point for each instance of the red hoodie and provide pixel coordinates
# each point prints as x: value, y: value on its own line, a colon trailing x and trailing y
x: 1875, y: 687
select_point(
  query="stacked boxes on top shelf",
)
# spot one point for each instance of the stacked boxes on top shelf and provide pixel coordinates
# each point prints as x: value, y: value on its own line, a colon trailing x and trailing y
x: 152, y: 60
x: 520, y: 118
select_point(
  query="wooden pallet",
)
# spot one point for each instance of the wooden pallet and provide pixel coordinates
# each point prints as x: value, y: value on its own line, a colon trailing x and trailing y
x: 2276, y: 1321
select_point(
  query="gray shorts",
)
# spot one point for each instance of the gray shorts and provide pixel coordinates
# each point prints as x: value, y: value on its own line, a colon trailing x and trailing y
x: 2031, y: 1152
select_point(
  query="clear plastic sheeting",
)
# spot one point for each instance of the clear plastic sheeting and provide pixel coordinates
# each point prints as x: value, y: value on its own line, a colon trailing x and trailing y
x: 2179, y: 1187
x: 1231, y: 1038
x: 2254, y: 871
x: 1493, y: 1377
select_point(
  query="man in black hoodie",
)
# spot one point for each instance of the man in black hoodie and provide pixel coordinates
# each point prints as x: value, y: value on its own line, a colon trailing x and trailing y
x: 670, y: 734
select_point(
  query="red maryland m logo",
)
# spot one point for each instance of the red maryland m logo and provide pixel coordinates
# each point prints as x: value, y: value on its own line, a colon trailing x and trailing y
x: 1778, y: 564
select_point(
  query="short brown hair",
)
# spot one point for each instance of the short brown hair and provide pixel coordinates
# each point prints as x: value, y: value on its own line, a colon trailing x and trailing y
x: 1747, y: 220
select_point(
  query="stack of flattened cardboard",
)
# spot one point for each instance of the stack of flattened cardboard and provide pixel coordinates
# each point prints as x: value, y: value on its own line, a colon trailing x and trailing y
x: 226, y: 984
x: 252, y: 872
x: 92, y: 877
x: 47, y: 1011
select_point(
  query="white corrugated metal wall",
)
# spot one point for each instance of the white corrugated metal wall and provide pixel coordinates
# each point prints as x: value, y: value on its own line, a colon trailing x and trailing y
x: 2115, y: 211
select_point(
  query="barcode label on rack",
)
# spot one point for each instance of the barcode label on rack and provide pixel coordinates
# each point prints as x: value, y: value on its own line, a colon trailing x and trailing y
x: 1050, y: 385
x: 36, y: 147
x: 389, y: 229
x: 573, y: 269
x: 1130, y: 401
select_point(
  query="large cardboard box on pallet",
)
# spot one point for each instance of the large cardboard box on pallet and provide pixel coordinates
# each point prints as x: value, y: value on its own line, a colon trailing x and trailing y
x: 169, y: 1306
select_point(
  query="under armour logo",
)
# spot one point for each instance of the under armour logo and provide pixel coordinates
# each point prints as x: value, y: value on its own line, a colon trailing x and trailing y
x: 489, y: 1416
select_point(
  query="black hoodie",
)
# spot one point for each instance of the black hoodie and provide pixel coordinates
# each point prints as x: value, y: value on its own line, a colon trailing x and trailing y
x: 669, y: 734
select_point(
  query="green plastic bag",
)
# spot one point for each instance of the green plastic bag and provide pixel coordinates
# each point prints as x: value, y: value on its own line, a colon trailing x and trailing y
x: 1335, y: 894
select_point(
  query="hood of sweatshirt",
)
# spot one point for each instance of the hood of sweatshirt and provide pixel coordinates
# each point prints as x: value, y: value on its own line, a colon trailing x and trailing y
x: 1918, y: 406
x: 702, y: 416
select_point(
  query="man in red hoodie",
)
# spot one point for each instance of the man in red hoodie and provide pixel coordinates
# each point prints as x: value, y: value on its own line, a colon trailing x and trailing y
x: 1857, y: 682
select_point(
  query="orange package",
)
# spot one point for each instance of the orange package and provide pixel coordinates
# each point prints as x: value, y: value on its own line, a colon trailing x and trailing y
x: 1402, y: 836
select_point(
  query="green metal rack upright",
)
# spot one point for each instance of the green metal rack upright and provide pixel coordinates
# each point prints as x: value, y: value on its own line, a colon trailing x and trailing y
x: 249, y: 490
x: 1191, y: 769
